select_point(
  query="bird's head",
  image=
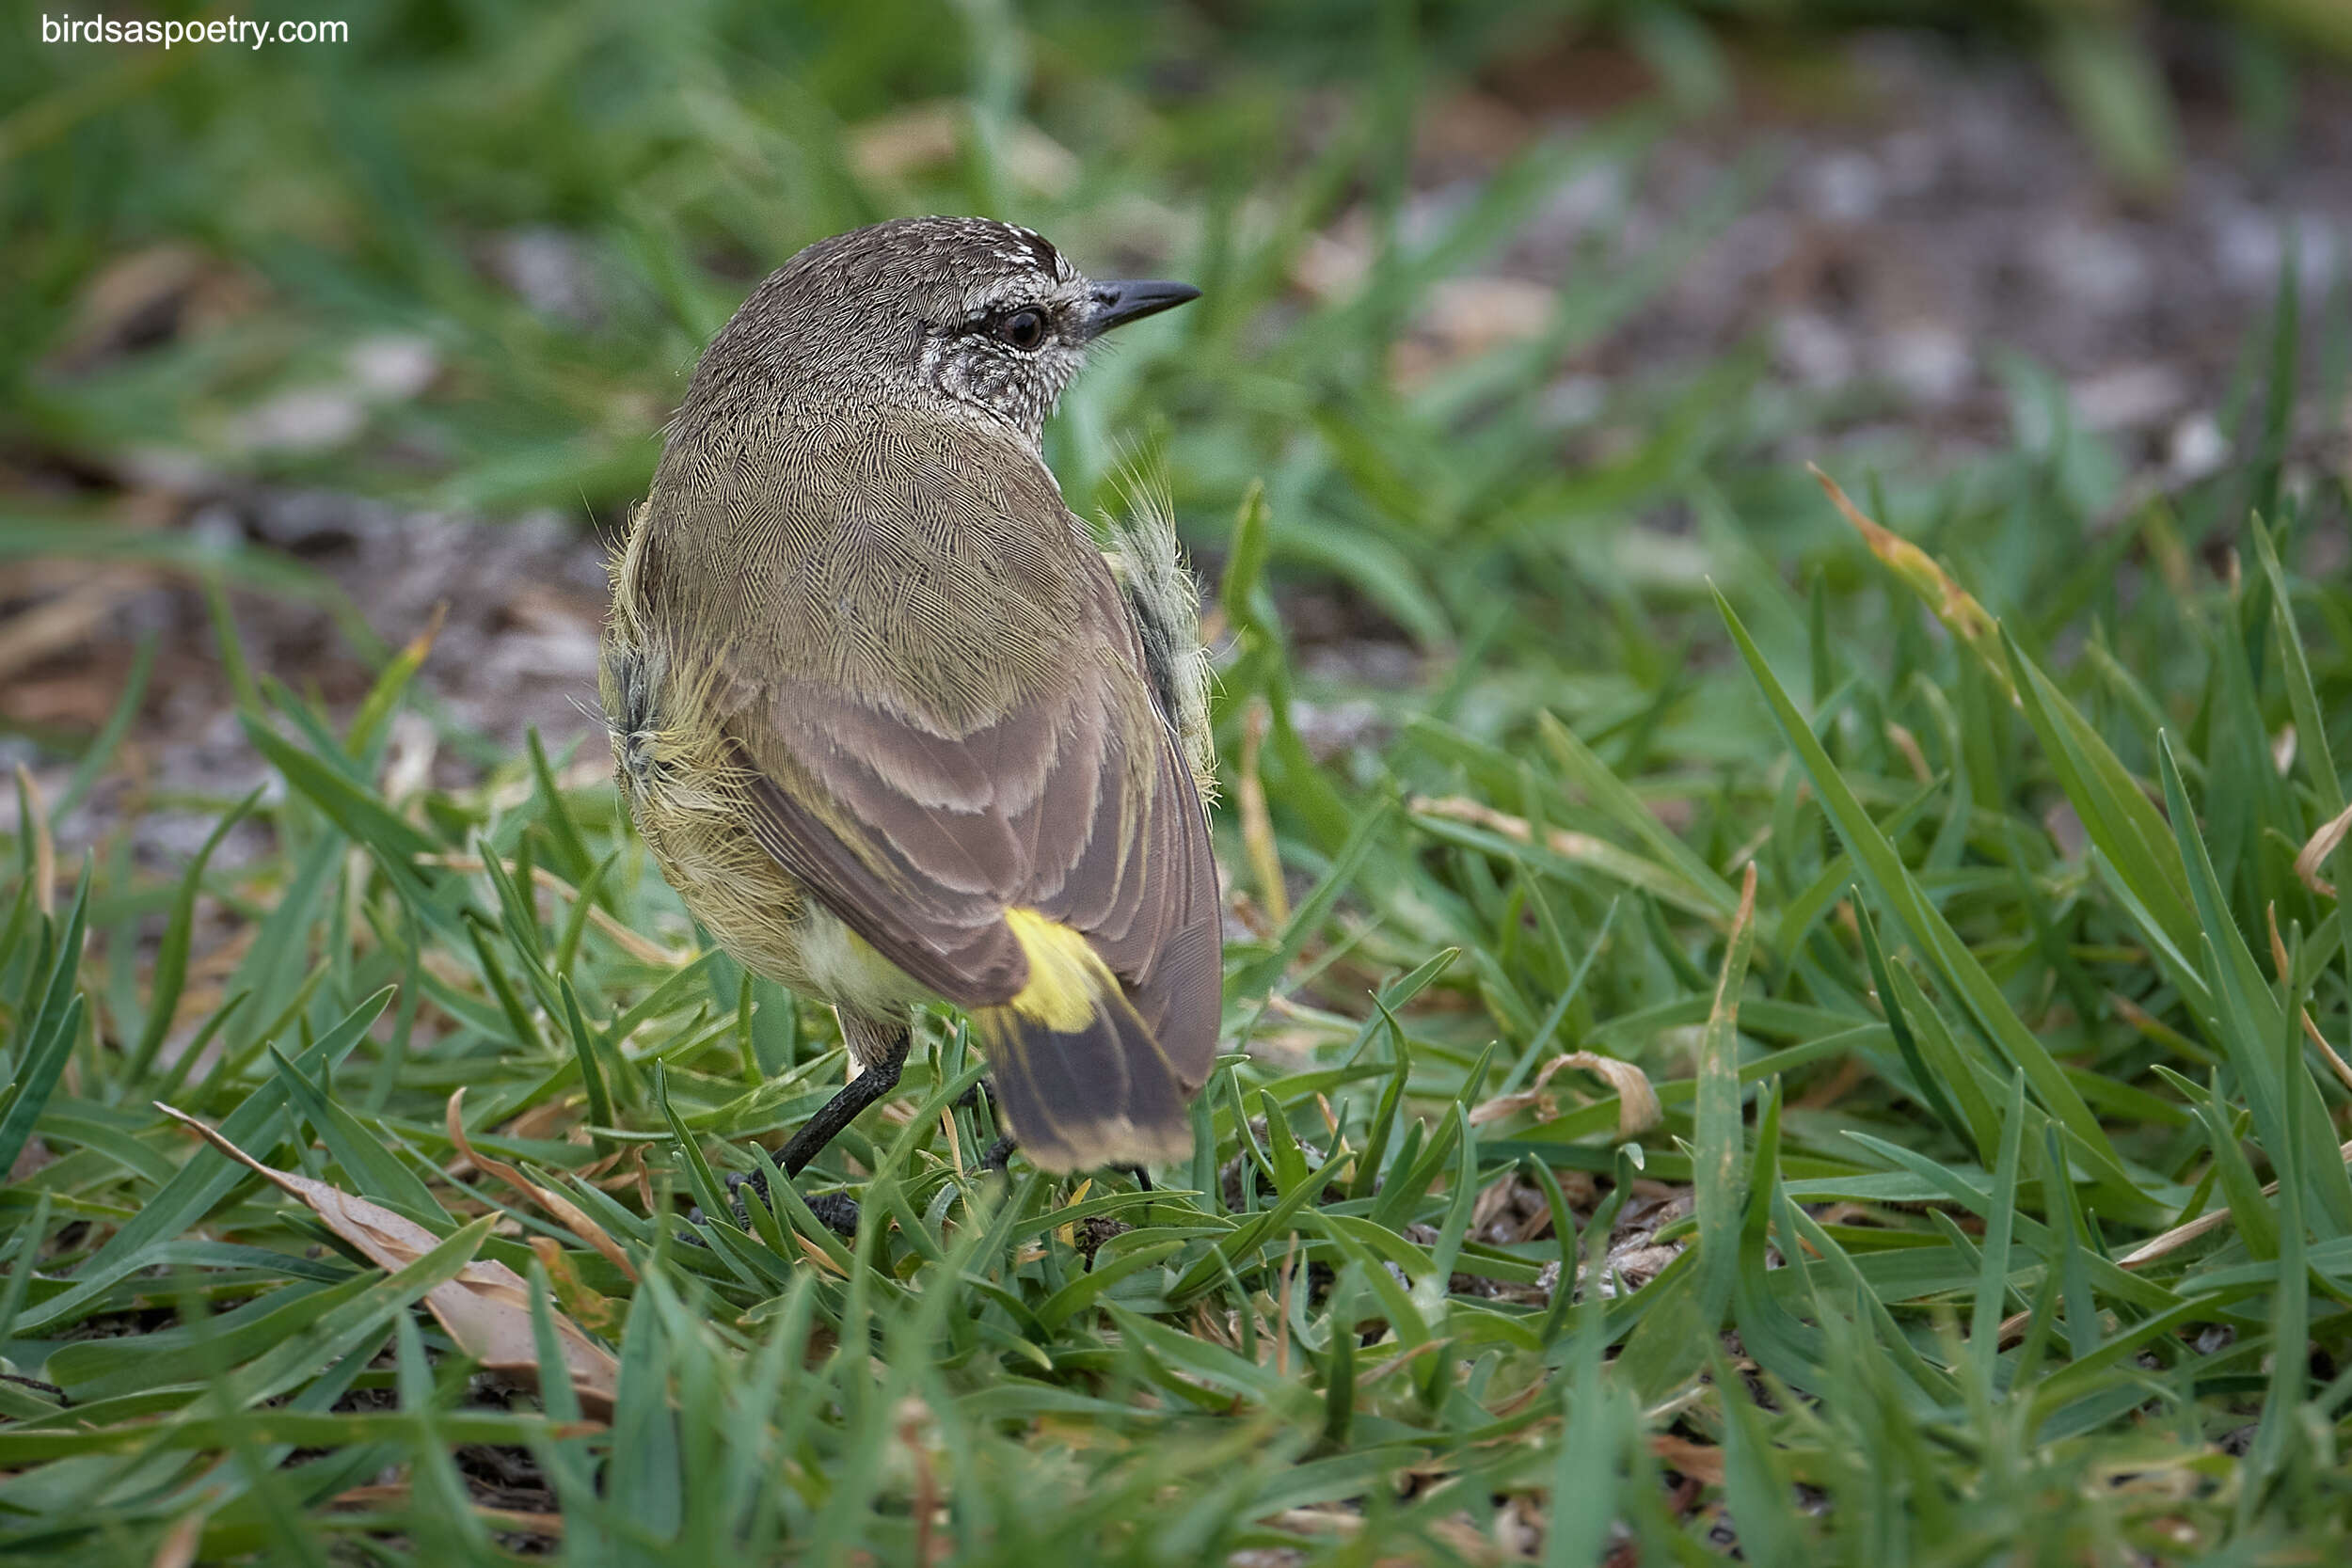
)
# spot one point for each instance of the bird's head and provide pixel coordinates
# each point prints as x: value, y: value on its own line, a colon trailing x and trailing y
x: 968, y: 315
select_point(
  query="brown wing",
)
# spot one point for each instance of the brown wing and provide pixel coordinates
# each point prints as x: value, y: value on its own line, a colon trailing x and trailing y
x: 1074, y: 800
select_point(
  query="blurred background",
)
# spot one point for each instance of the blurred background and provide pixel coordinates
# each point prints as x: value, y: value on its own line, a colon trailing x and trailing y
x: 1526, y: 316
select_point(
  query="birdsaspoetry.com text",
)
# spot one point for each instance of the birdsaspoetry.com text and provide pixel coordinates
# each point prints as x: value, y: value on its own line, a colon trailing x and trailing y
x: 103, y: 28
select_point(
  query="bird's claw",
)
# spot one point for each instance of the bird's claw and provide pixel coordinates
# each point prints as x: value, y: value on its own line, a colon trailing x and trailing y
x: 836, y: 1211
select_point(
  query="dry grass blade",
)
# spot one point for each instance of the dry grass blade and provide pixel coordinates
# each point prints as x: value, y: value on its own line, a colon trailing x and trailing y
x: 817, y: 1255
x: 2336, y: 1064
x: 60, y: 624
x: 180, y: 1543
x: 2311, y: 1028
x: 397, y: 1495
x: 1953, y: 604
x: 627, y: 940
x: 2156, y: 1246
x: 1398, y: 1363
x: 590, y: 1309
x: 1256, y: 820
x: 2314, y: 854
x: 569, y: 1213
x: 1315, y: 1521
x: 2180, y: 1235
x: 1583, y: 849
x: 1638, y: 1109
x: 485, y: 1308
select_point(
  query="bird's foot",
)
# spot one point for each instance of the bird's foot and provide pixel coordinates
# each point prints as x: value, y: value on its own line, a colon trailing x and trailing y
x: 836, y: 1211
x: 737, y: 1179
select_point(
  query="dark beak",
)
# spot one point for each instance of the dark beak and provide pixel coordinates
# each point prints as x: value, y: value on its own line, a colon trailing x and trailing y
x: 1117, y: 304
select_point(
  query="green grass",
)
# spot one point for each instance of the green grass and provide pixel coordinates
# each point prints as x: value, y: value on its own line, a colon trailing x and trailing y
x: 2020, y: 987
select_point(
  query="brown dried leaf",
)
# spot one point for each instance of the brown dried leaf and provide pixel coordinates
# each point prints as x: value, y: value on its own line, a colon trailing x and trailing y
x: 1333, y: 267
x: 79, y: 700
x: 1472, y: 128
x: 1699, y: 1461
x: 568, y: 1214
x: 160, y: 295
x: 1495, y: 1199
x: 485, y: 1308
x: 1470, y: 316
x: 1504, y: 1106
x: 923, y: 136
x: 53, y: 625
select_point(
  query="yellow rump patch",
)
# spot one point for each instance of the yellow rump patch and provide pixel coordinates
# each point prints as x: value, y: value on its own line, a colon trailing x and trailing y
x: 1067, y: 978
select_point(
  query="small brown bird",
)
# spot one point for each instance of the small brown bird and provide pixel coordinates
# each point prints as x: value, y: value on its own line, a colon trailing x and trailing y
x: 892, y: 723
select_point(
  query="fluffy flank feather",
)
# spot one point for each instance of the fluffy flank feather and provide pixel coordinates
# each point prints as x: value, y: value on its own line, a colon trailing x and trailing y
x: 689, y: 793
x: 1149, y: 562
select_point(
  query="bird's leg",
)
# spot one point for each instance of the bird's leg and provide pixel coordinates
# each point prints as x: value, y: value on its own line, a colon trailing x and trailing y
x: 882, y: 1047
x: 1000, y: 1153
x: 878, y: 1080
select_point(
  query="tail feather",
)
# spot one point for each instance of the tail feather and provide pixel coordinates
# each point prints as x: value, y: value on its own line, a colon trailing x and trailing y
x: 1077, y: 1069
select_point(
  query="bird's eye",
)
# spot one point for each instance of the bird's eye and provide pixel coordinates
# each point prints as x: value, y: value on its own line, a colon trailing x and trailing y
x: 1023, y: 329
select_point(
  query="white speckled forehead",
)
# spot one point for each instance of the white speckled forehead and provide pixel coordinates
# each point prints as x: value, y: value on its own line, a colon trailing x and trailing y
x: 989, y: 297
x: 1028, y: 271
x: 1031, y: 248
x: 960, y: 270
